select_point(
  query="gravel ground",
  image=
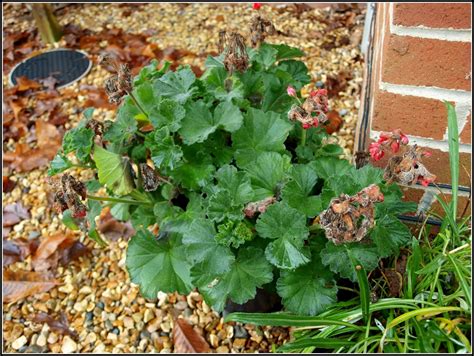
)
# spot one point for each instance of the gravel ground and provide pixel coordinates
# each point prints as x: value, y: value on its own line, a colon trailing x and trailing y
x: 101, y: 304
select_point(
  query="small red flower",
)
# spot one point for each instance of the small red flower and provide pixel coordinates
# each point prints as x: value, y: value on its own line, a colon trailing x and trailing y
x: 425, y: 181
x: 395, y: 146
x: 257, y: 5
x: 306, y: 126
x: 319, y: 92
x: 376, y: 151
x: 404, y: 139
x: 315, y: 122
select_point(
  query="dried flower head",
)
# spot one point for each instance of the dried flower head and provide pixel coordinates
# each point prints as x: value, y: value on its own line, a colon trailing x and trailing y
x: 119, y: 84
x: 151, y: 180
x: 258, y: 207
x: 235, y: 51
x: 361, y: 159
x: 68, y: 193
x: 349, y: 218
x: 259, y: 29
x: 96, y: 126
x: 408, y: 168
x: 312, y: 112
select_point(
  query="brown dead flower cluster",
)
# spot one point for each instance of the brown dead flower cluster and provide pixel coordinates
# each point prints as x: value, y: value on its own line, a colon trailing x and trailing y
x: 259, y: 29
x: 235, y: 52
x: 349, y: 218
x: 408, y: 169
x: 68, y: 192
x: 312, y: 111
x: 120, y: 84
x: 258, y: 206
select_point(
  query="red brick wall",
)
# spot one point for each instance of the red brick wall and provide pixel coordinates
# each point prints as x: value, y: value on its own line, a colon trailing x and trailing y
x: 421, y: 56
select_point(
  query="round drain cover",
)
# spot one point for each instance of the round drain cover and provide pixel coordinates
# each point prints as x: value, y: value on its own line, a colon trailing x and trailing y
x: 66, y: 65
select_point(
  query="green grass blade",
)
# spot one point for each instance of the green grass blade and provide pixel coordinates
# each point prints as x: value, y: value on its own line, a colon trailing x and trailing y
x: 453, y: 141
x: 282, y: 319
x: 363, y: 286
x: 462, y: 280
x: 320, y: 343
x: 420, y: 312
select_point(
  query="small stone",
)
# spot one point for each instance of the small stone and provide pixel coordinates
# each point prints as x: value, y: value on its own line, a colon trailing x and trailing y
x: 66, y: 288
x: 214, y: 340
x: 239, y: 343
x: 81, y: 306
x: 240, y: 332
x: 68, y: 345
x: 319, y: 84
x: 181, y: 305
x: 128, y: 322
x: 112, y: 337
x: 162, y: 298
x: 137, y: 317
x: 149, y: 315
x: 343, y: 112
x: 222, y: 350
x: 19, y: 343
x: 33, y: 235
x: 165, y: 326
x: 85, y: 290
x: 100, y: 305
x: 100, y: 348
x: 52, y: 338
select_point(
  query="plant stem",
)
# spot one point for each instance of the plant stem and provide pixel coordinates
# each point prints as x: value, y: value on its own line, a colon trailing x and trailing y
x: 137, y: 104
x: 118, y: 200
x: 303, y: 137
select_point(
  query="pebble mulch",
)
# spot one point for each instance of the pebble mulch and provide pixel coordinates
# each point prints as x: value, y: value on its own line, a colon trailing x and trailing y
x: 101, y: 304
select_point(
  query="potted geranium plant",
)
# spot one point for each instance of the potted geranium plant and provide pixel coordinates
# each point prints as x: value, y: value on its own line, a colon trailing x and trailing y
x: 229, y: 181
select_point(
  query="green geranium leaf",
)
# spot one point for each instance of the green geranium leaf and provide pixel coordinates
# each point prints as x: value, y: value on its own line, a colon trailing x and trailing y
x: 368, y: 175
x: 267, y: 173
x: 233, y: 234
x: 298, y: 192
x: 308, y: 290
x: 113, y: 171
x: 176, y: 85
x: 79, y: 140
x: 93, y: 210
x: 266, y: 55
x: 120, y: 211
x: 298, y: 71
x: 69, y: 221
x: 221, y: 207
x: 389, y: 234
x: 193, y: 175
x: 168, y: 113
x: 145, y: 96
x: 142, y: 217
x: 199, y: 123
x: 237, y: 183
x: 249, y: 271
x: 260, y: 132
x: 158, y: 265
x: 201, y: 246
x: 287, y: 226
x: 165, y: 154
x: 286, y: 52
x: 59, y: 164
x: 337, y: 258
x: 125, y: 126
x: 327, y: 167
x: 212, y: 62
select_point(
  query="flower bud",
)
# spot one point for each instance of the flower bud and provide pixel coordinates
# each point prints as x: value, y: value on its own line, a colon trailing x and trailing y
x: 257, y: 5
x: 291, y: 91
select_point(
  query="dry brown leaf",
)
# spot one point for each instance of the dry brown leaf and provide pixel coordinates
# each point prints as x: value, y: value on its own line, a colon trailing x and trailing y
x: 14, y: 213
x: 60, y: 326
x: 112, y: 228
x: 46, y: 256
x: 334, y: 122
x: 186, y: 340
x: 25, y: 159
x: 25, y: 84
x: 21, y: 284
x: 17, y: 250
x: 8, y: 184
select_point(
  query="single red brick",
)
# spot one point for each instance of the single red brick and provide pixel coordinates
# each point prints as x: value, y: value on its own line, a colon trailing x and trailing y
x: 414, y: 115
x: 465, y: 136
x: 434, y: 15
x: 438, y: 164
x: 427, y: 62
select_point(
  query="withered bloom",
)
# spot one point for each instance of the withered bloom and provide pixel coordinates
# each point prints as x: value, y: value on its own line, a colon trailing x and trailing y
x: 68, y: 193
x: 362, y: 159
x: 312, y: 112
x: 349, y: 218
x: 119, y: 84
x: 258, y: 207
x: 96, y: 126
x: 408, y: 168
x: 235, y: 51
x: 259, y: 29
x: 151, y: 179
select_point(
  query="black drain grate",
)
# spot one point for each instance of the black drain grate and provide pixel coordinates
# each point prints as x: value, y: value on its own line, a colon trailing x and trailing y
x: 66, y: 65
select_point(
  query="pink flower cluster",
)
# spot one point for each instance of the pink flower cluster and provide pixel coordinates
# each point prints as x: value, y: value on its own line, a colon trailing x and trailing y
x: 387, y: 139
